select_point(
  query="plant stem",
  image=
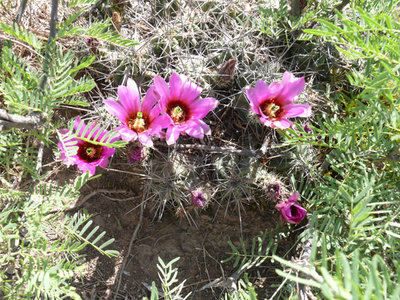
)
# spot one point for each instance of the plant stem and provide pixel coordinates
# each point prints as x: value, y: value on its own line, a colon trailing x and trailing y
x: 8, y: 121
x: 52, y: 36
x: 20, y: 11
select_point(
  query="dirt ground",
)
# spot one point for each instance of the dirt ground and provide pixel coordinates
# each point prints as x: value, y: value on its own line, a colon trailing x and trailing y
x: 201, y: 246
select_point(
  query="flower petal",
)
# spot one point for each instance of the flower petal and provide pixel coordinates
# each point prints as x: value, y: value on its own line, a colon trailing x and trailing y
x: 293, y: 213
x: 79, y: 124
x: 116, y: 109
x: 107, y: 152
x: 190, y: 92
x: 103, y: 163
x: 113, y: 139
x: 205, y: 127
x: 194, y: 129
x: 126, y: 134
x: 176, y: 85
x: 63, y: 131
x: 200, y: 108
x: 282, y: 123
x: 172, y: 135
x: 84, y: 167
x: 145, y: 139
x: 280, y: 205
x: 266, y: 122
x: 149, y: 100
x: 292, y: 86
x: 79, y: 159
x: 294, y: 197
x: 161, y: 88
x: 254, y: 105
x: 260, y: 91
x: 159, y: 123
x: 155, y: 112
x: 296, y: 110
x: 129, y: 97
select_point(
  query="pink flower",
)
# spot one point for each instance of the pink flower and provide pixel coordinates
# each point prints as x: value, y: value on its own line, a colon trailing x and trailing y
x: 137, y: 154
x: 183, y: 106
x: 92, y: 43
x: 273, y: 190
x: 275, y: 103
x: 307, y: 128
x: 198, y: 198
x: 88, y: 155
x: 291, y: 212
x: 139, y: 120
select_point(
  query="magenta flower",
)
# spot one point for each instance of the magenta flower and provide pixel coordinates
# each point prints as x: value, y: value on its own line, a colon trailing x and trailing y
x: 88, y: 155
x: 275, y: 103
x: 139, y: 120
x: 291, y: 212
x: 307, y: 128
x: 183, y: 106
x: 198, y: 198
x: 273, y: 190
x: 92, y: 43
x: 137, y: 154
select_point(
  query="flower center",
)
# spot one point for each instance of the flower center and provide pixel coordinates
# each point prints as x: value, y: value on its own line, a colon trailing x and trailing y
x: 178, y: 112
x: 90, y: 152
x: 271, y: 110
x: 293, y: 211
x: 139, y: 123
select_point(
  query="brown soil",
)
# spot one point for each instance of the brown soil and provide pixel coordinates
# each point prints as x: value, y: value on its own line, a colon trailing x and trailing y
x: 201, y: 245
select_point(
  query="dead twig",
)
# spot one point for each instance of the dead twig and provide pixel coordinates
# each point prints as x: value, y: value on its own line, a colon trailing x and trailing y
x: 8, y: 121
x: 93, y: 193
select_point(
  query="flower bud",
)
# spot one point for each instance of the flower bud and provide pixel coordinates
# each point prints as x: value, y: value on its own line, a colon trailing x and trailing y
x: 291, y: 212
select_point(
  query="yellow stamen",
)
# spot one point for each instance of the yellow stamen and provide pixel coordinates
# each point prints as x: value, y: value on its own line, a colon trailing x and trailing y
x: 177, y: 114
x: 271, y: 110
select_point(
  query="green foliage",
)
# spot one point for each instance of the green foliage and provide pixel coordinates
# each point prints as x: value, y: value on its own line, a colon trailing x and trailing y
x: 354, y: 193
x: 366, y: 36
x: 23, y: 35
x: 20, y: 83
x: 245, y: 291
x: 355, y: 278
x: 86, y: 3
x: 62, y: 86
x: 101, y: 31
x: 168, y: 277
x: 20, y: 87
x: 40, y: 244
x: 44, y: 279
x: 71, y: 226
x: 45, y: 262
x: 262, y: 248
x: 278, y: 22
